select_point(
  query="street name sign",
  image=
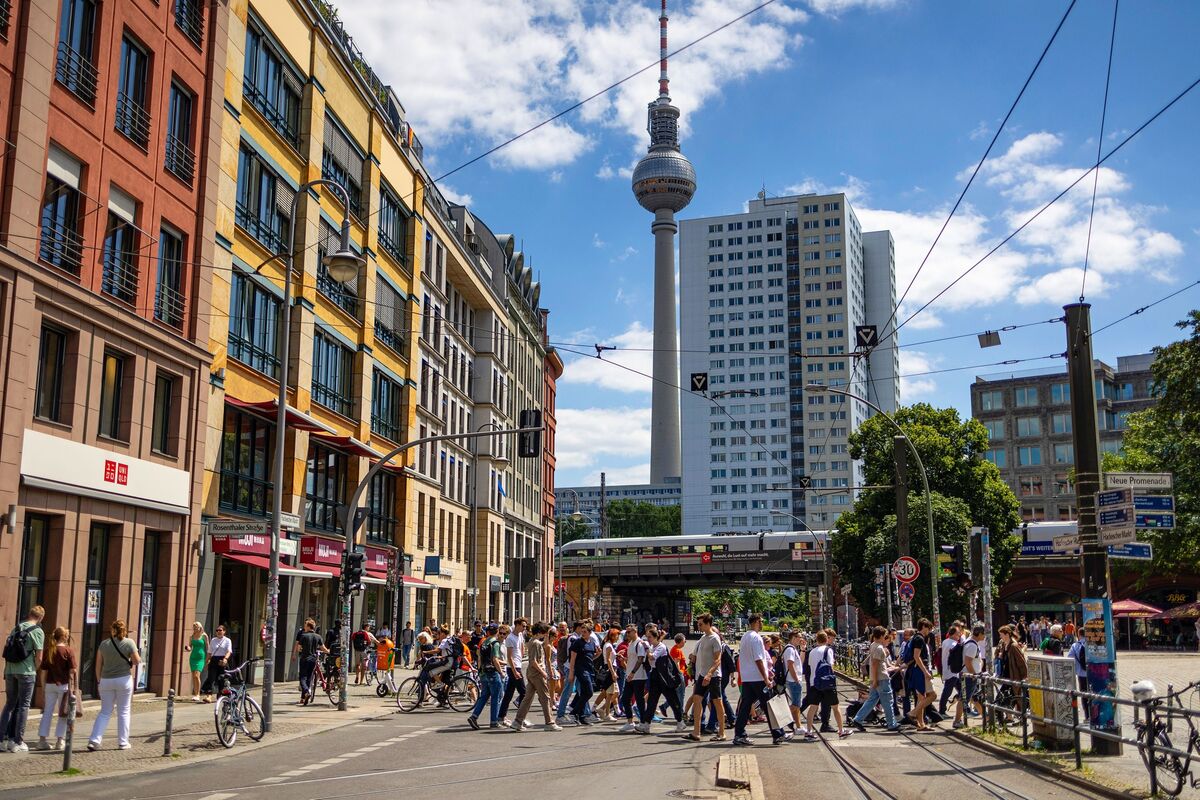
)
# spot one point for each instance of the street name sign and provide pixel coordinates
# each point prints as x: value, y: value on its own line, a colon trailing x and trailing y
x: 1153, y: 502
x: 1114, y: 499
x: 289, y: 521
x: 1121, y: 535
x: 906, y: 569
x: 234, y: 527
x: 1160, y: 481
x: 1066, y: 543
x: 1137, y: 551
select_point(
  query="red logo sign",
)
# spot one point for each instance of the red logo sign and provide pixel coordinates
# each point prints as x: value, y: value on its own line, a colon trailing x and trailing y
x: 706, y: 558
x: 116, y: 473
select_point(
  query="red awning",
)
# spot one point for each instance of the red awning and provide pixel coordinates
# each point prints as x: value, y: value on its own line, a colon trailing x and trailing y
x: 261, y: 562
x: 267, y: 408
x: 409, y: 580
x: 347, y: 444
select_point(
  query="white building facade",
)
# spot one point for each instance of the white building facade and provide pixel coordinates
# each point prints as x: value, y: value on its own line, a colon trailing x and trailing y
x: 770, y: 300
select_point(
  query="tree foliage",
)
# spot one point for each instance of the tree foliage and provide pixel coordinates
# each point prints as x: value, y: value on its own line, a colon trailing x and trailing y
x: 628, y: 518
x: 1166, y: 438
x: 772, y: 603
x: 965, y: 490
x: 568, y: 529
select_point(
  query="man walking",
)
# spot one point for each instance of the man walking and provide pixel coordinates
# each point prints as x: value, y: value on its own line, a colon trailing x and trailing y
x: 636, y: 675
x: 514, y: 651
x: 406, y: 643
x: 950, y: 679
x: 822, y: 684
x: 22, y: 660
x: 973, y: 654
x: 754, y: 677
x: 880, y: 682
x: 491, y: 667
x: 708, y: 679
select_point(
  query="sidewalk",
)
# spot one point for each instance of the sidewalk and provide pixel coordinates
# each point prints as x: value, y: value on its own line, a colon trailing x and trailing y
x: 194, y: 736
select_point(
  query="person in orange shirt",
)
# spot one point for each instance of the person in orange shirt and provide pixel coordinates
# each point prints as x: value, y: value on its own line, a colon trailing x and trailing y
x: 677, y: 655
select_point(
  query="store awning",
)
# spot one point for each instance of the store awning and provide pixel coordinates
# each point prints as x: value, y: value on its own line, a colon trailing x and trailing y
x: 293, y: 572
x: 374, y: 580
x: 417, y: 583
x: 261, y: 562
x: 295, y: 418
x: 347, y: 444
x: 1132, y: 609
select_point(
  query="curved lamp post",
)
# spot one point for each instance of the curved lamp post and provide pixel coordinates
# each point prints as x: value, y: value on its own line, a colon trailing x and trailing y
x: 933, y: 564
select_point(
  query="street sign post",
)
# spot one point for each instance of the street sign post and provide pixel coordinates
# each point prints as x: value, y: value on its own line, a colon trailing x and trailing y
x: 1154, y: 520
x: 1159, y: 481
x: 907, y: 592
x: 1066, y: 543
x: 1115, y: 517
x: 234, y: 527
x: 906, y: 569
x: 1117, y: 535
x: 290, y: 521
x: 1134, y: 551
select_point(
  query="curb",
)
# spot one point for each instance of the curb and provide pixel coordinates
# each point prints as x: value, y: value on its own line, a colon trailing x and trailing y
x: 739, y: 772
x: 1033, y: 763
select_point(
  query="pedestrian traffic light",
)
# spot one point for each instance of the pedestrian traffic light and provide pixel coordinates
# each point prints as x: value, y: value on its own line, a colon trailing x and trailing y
x: 354, y: 571
x: 529, y: 444
x: 950, y: 562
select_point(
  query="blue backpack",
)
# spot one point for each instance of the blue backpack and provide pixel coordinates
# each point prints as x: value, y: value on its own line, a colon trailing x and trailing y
x: 823, y: 678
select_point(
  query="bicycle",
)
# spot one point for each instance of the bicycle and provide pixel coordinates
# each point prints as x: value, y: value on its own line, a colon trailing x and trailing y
x: 1169, y: 769
x: 459, y: 693
x: 328, y: 679
x: 235, y: 709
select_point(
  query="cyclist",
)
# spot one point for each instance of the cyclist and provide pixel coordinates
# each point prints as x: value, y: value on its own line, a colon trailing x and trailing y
x: 308, y: 646
x: 442, y: 659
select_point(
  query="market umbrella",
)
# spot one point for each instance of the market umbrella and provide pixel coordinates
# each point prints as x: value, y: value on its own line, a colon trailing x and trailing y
x: 1132, y: 609
x: 1185, y: 611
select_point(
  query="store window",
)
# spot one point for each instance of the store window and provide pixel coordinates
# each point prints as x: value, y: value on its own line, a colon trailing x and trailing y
x: 325, y: 490
x: 246, y: 447
x: 32, y: 578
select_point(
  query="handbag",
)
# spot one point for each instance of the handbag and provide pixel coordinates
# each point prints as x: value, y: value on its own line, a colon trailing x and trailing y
x: 64, y: 705
x: 778, y: 712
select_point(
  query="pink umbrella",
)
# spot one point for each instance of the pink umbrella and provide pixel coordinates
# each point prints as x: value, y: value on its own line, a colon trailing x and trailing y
x: 1132, y: 609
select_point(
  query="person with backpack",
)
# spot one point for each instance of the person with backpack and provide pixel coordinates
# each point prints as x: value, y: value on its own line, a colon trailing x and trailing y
x: 582, y: 667
x: 1078, y: 653
x: 792, y: 663
x: 634, y: 694
x: 1053, y: 644
x: 823, y: 684
x: 754, y: 677
x: 514, y: 652
x: 363, y: 643
x: 307, y: 650
x: 952, y: 661
x: 708, y: 679
x: 116, y: 659
x: 665, y: 679
x: 880, y: 682
x: 491, y: 684
x: 973, y: 653
x: 22, y: 660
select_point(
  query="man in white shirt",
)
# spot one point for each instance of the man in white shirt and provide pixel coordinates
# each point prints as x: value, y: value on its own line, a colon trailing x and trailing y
x: 514, y: 654
x: 754, y: 676
x: 823, y: 686
x: 793, y: 660
x: 974, y: 651
x: 950, y: 678
x: 636, y: 676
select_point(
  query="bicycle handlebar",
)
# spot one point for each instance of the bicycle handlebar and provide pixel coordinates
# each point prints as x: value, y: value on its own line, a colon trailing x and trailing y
x: 242, y: 666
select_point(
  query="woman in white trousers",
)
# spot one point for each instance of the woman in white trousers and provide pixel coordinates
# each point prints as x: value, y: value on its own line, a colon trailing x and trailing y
x: 115, y: 661
x: 61, y: 677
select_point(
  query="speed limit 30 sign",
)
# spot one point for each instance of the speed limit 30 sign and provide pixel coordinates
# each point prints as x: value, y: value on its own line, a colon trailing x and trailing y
x: 906, y: 569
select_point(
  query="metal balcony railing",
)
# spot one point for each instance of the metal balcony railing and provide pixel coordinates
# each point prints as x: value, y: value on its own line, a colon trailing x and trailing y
x: 62, y: 246
x: 76, y: 73
x: 189, y: 18
x: 263, y: 230
x: 133, y: 120
x: 179, y: 160
x: 120, y: 276
x: 169, y: 305
x: 278, y: 119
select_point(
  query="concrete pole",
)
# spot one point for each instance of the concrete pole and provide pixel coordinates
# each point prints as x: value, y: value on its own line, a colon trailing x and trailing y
x: 664, y: 414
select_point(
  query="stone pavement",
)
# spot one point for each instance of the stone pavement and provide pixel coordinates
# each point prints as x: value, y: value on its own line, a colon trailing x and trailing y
x: 194, y: 735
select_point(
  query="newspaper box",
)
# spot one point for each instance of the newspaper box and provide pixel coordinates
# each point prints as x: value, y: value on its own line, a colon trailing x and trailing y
x: 1059, y: 673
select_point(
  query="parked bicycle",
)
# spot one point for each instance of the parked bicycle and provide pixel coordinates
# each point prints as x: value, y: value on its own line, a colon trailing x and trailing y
x: 235, y: 709
x: 327, y: 678
x: 458, y: 693
x: 1169, y: 770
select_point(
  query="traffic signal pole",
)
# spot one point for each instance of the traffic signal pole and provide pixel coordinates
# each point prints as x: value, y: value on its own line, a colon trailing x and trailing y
x: 900, y: 456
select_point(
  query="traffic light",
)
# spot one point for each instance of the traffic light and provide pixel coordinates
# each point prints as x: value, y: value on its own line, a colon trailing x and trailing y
x: 529, y: 445
x: 950, y: 562
x: 354, y: 571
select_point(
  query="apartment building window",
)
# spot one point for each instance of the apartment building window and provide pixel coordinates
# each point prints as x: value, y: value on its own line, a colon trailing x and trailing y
x: 991, y: 401
x: 325, y: 487
x: 1025, y: 396
x: 52, y: 362
x: 381, y: 509
x: 995, y: 428
x: 386, y: 399
x: 132, y: 118
x: 246, y: 448
x: 1063, y: 485
x: 1060, y: 393
x: 119, y: 278
x: 264, y: 200
x: 1031, y: 485
x: 61, y: 244
x: 179, y: 159
x: 1029, y: 456
x: 344, y: 295
x: 254, y: 325
x: 162, y: 437
x: 75, y: 68
x: 271, y: 85
x: 32, y: 577
x: 5, y: 17
x: 393, y: 224
x: 333, y: 371
x: 1060, y: 423
x: 112, y: 395
x: 189, y: 18
x: 1029, y: 426
x: 169, y: 301
x: 1064, y: 454
x: 342, y: 162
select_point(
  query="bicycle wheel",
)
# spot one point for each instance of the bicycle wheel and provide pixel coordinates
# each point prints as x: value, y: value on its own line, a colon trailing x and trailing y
x: 333, y: 688
x: 1169, y: 770
x: 252, y: 718
x: 223, y: 717
x: 381, y: 689
x: 462, y: 694
x: 410, y: 695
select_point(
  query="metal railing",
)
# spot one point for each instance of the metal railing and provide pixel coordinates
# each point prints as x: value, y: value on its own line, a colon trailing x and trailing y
x: 77, y: 73
x: 189, y: 18
x: 179, y: 159
x: 120, y: 276
x: 132, y: 120
x: 169, y: 305
x: 62, y: 246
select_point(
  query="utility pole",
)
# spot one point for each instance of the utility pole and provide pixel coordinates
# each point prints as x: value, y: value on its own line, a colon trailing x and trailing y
x: 1093, y: 563
x: 827, y: 587
x: 887, y: 585
x: 900, y: 457
x: 603, y: 508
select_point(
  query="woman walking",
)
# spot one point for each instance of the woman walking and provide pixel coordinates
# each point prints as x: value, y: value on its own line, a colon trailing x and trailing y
x: 660, y: 686
x: 197, y: 650
x: 115, y: 660
x: 536, y: 678
x: 220, y: 649
x: 61, y: 675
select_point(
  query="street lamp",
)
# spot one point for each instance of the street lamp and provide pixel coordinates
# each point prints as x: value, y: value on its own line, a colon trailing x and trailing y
x: 501, y: 461
x: 933, y: 564
x: 343, y: 265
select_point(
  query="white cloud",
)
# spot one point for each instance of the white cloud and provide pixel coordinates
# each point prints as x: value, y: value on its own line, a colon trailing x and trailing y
x: 919, y: 387
x: 454, y: 196
x: 597, y: 241
x: 621, y: 476
x: 1061, y: 287
x: 625, y: 254
x: 586, y: 436
x: 487, y: 71
x: 594, y: 371
x: 835, y: 7
x: 979, y: 131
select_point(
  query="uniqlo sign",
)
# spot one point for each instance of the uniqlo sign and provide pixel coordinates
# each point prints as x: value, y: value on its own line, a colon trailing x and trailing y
x: 115, y: 472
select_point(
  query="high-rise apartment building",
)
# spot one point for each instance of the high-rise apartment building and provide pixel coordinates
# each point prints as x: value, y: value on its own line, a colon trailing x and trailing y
x: 771, y: 299
x: 1031, y: 437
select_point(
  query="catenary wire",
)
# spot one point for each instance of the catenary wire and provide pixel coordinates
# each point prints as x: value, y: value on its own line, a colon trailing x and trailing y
x: 1087, y: 250
x: 1147, y: 307
x: 979, y: 166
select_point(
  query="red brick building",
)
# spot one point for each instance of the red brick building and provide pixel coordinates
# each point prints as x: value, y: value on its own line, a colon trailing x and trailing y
x: 553, y: 371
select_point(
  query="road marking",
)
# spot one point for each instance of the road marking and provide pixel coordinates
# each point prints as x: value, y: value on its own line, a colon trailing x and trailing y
x: 272, y: 780
x: 220, y: 796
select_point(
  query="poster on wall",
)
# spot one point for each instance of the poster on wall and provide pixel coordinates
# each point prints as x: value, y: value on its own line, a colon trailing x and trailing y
x: 145, y: 627
x: 1101, y: 661
x: 92, y: 614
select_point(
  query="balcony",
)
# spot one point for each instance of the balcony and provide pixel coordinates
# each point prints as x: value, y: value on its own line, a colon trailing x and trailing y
x: 120, y: 277
x: 387, y: 336
x: 189, y: 18
x: 180, y: 161
x: 280, y: 121
x: 258, y: 358
x: 169, y: 306
x: 132, y: 120
x: 76, y: 73
x: 62, y: 246
x: 331, y: 397
x: 263, y: 230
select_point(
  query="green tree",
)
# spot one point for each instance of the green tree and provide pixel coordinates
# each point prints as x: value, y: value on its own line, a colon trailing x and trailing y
x: 568, y: 529
x: 1166, y: 438
x: 965, y: 490
x: 628, y: 518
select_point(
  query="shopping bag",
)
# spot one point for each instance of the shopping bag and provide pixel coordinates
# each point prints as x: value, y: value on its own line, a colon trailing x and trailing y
x: 779, y: 712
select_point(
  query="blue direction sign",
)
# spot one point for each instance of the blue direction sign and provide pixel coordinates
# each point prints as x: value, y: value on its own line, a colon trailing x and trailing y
x: 1138, y: 551
x: 1116, y: 516
x: 1151, y: 502
x: 1120, y: 497
x: 1155, y: 520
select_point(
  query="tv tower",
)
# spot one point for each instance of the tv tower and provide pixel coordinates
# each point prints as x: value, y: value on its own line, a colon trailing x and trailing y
x: 664, y: 182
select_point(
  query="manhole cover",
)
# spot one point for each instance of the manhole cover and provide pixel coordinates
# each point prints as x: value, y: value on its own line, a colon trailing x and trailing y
x: 701, y: 794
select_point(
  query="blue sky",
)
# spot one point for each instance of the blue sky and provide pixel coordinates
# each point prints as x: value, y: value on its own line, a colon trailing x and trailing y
x: 892, y: 101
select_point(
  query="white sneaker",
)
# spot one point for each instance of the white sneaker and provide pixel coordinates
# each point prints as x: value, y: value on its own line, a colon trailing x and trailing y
x: 42, y: 744
x: 517, y: 728
x: 628, y: 727
x: 681, y: 726
x: 566, y: 722
x: 126, y: 746
x: 18, y: 748
x: 552, y: 727
x: 58, y: 743
x: 526, y: 725
x: 643, y: 727
x: 505, y: 722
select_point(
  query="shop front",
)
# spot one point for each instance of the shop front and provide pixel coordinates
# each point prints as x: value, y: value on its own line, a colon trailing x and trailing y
x: 320, y: 601
x: 376, y: 605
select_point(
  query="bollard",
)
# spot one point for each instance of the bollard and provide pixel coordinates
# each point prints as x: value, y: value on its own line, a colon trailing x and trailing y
x: 70, y: 732
x: 170, y: 721
x: 1151, y: 735
x: 1075, y: 730
x: 1024, y: 718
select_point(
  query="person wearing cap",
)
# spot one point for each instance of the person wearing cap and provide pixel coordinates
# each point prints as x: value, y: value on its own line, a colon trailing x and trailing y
x: 491, y: 668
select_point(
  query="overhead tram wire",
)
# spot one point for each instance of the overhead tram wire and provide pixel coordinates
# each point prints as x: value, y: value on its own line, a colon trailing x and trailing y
x: 979, y: 166
x: 1087, y: 250
x: 1147, y: 307
x: 1183, y: 93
